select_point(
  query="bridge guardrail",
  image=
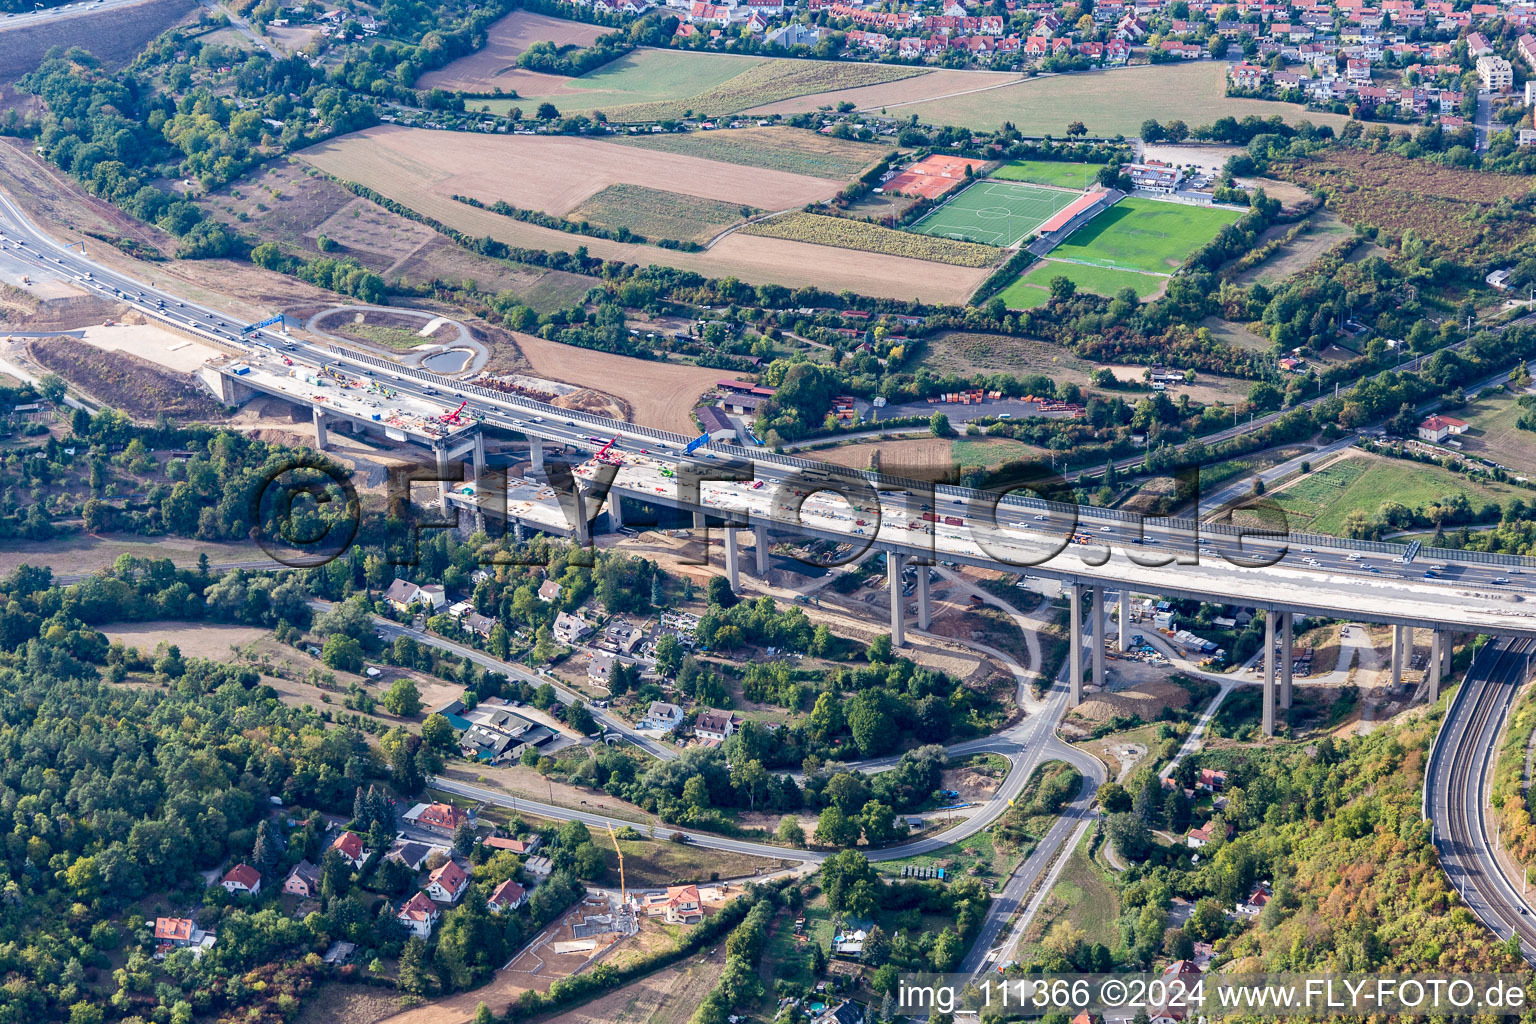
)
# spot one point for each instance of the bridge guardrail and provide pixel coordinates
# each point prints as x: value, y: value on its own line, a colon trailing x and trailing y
x: 1183, y: 524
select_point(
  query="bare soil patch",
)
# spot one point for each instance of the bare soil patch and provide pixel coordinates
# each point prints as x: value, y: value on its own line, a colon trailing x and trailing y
x: 669, y: 996
x: 173, y: 352
x: 493, y: 68
x: 658, y: 394
x: 555, y: 173
x: 1146, y: 700
x: 125, y: 381
x: 338, y: 1003
x: 84, y: 553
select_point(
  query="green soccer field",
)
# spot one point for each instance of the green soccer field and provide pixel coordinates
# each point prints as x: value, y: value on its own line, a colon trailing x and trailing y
x: 995, y: 213
x: 1061, y: 173
x: 1033, y: 287
x: 1145, y: 234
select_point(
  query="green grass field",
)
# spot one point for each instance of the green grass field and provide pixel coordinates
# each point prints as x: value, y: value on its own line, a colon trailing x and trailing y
x: 1321, y: 502
x: 1061, y: 173
x: 1145, y: 234
x: 995, y: 213
x: 644, y: 76
x: 661, y: 84
x: 1033, y: 288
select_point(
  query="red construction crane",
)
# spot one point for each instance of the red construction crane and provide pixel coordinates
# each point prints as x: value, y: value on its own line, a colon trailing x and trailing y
x: 602, y: 453
x: 453, y: 415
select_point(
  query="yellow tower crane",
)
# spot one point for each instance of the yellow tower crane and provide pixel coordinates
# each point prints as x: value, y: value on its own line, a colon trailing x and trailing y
x: 623, y: 897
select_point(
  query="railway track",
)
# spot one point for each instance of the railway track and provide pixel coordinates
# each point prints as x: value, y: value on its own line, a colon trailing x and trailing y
x: 1459, y: 783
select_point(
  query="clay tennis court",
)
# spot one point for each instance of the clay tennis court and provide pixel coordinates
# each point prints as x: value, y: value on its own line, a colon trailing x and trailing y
x: 932, y: 176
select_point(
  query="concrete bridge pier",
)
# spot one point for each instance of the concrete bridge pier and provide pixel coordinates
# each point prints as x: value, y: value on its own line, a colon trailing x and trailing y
x: 583, y: 525
x: 615, y: 510
x: 320, y: 433
x: 760, y: 548
x: 1269, y: 672
x: 1099, y: 635
x: 442, y: 476
x: 1125, y: 618
x: 519, y: 534
x: 894, y: 564
x: 1398, y: 660
x: 1075, y: 648
x: 924, y: 605
x: 536, y: 453
x: 477, y: 458
x: 1287, y: 662
x: 698, y: 520
x: 1437, y: 649
x: 732, y: 562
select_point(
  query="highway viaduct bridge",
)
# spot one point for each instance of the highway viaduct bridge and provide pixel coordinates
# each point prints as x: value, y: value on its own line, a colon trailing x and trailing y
x: 1095, y: 554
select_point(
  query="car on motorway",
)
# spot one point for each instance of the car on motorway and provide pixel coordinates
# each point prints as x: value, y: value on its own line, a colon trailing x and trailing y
x: 1501, y: 579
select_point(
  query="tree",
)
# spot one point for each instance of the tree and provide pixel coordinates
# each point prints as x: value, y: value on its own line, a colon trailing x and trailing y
x: 879, y: 822
x: 342, y: 653
x: 52, y: 387
x: 1077, y: 127
x: 790, y: 832
x: 413, y: 974
x: 438, y: 732
x: 579, y: 717
x: 696, y: 792
x: 335, y: 875
x: 464, y: 839
x: 938, y: 425
x: 669, y: 655
x: 546, y: 112
x: 403, y: 699
x: 718, y: 592
x: 750, y: 779
x: 834, y: 828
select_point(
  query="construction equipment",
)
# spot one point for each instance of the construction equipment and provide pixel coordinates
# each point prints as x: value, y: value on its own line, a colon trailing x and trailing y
x: 453, y: 415
x: 268, y: 322
x: 623, y: 898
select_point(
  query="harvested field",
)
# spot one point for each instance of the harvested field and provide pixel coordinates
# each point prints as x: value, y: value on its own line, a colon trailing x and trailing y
x: 842, y: 233
x: 658, y: 394
x: 770, y: 81
x: 444, y: 260
x: 112, y: 35
x: 934, y: 85
x: 486, y: 70
x: 85, y: 553
x: 1107, y: 102
x: 125, y: 381
x: 195, y: 639
x: 1440, y: 204
x: 933, y: 176
x: 753, y: 259
x: 657, y: 214
x: 777, y: 148
x: 554, y: 173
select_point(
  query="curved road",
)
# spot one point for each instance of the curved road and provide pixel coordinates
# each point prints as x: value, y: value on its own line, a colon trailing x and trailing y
x: 1456, y: 788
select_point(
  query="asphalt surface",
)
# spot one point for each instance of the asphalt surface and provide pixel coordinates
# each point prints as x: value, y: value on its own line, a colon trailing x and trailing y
x: 1457, y: 786
x: 1330, y: 566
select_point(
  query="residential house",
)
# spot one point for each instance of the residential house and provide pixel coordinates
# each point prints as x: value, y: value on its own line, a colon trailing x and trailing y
x: 480, y: 625
x: 1211, y: 779
x: 1257, y: 900
x: 242, y: 879
x: 180, y: 933
x: 448, y: 882
x: 708, y: 14
x: 1478, y: 45
x: 1203, y: 835
x: 680, y: 904
x: 1247, y: 76
x: 419, y: 915
x: 507, y: 896
x: 549, y: 590
x: 715, y: 726
x: 303, y: 880
x: 403, y: 596
x: 539, y: 867
x: 439, y: 818
x: 600, y: 669
x: 412, y: 855
x: 663, y: 716
x: 1496, y: 73
x: 1437, y: 428
x: 795, y: 34
x: 845, y: 1012
x: 570, y: 629
x: 353, y: 851
x: 1184, y: 51
x: 1526, y: 47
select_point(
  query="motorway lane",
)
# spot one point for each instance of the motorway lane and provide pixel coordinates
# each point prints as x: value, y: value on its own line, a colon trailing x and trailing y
x: 559, y: 426
x: 1458, y: 789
